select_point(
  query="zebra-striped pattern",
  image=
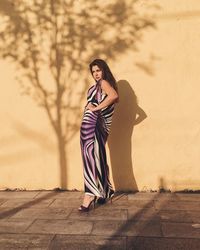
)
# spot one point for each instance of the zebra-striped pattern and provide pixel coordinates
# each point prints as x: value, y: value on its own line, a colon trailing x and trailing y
x: 94, y: 131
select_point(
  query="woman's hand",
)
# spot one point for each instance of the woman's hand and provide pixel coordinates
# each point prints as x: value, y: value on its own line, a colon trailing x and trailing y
x: 91, y: 107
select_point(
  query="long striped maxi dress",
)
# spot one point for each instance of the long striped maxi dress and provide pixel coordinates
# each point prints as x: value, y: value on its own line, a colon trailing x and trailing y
x: 94, y: 132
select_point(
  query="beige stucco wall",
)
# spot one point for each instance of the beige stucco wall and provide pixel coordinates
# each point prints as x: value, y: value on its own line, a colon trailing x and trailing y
x: 162, y: 151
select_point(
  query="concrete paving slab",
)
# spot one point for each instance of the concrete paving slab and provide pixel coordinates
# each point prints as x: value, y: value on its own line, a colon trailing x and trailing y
x: 120, y: 196
x: 142, y: 196
x: 143, y: 214
x: 189, y: 205
x: 133, y: 207
x: 14, y: 225
x: 81, y: 242
x: 108, y: 228
x: 141, y: 203
x: 175, y: 216
x: 188, y: 196
x: 112, y: 206
x: 18, y: 194
x: 134, y: 204
x: 151, y: 196
x: 167, y: 205
x: 43, y: 213
x: 60, y: 194
x: 195, y: 215
x: 196, y: 225
x: 180, y: 230
x: 184, y: 197
x: 25, y: 241
x: 62, y: 203
x: 152, y: 243
x: 60, y: 227
x: 145, y: 220
x: 129, y: 228
x: 99, y: 214
x: 4, y: 209
x: 5, y: 213
x: 26, y: 203
x: 2, y: 201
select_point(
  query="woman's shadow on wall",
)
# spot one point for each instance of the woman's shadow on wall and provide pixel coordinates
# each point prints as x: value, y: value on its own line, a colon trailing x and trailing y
x: 127, y: 114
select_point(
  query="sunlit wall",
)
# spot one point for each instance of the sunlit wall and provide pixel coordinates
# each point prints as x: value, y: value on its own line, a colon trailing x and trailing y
x: 160, y: 152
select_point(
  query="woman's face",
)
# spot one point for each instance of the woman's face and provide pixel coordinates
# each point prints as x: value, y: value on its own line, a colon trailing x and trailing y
x: 97, y: 72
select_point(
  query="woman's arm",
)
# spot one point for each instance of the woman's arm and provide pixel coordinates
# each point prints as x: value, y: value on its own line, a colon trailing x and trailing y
x: 110, y: 98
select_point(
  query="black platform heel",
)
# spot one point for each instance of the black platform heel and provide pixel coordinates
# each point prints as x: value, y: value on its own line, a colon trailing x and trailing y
x: 102, y: 201
x: 86, y: 209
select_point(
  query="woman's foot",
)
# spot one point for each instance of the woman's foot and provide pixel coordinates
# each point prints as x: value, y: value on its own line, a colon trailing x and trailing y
x: 87, y: 201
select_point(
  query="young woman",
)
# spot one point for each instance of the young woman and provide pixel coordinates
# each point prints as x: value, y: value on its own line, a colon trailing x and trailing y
x: 94, y: 131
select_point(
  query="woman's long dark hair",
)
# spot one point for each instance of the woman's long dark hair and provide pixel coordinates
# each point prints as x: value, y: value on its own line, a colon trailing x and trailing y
x: 107, y: 74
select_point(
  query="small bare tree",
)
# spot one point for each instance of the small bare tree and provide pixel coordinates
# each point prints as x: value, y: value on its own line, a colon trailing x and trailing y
x: 61, y: 37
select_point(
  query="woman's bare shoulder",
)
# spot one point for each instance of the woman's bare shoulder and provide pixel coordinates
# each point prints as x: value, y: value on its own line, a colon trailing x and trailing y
x: 103, y: 81
x: 105, y: 84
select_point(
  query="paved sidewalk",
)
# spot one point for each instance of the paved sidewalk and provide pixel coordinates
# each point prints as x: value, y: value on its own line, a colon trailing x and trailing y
x: 50, y: 220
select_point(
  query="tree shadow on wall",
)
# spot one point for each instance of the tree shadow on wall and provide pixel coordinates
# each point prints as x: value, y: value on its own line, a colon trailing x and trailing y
x: 127, y: 114
x: 61, y: 38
